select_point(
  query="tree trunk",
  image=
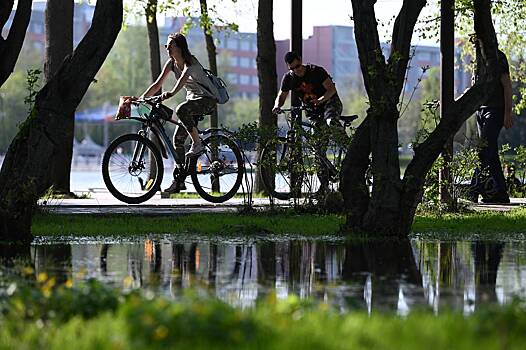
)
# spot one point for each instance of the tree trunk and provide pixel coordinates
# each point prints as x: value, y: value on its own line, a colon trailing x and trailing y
x: 267, y: 76
x: 155, y: 62
x: 210, y: 49
x: 25, y: 173
x: 59, y: 44
x: 153, y: 39
x: 10, y: 47
x: 212, y: 61
x: 390, y: 208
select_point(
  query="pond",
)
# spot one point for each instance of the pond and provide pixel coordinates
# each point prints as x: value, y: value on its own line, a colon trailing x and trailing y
x: 393, y: 276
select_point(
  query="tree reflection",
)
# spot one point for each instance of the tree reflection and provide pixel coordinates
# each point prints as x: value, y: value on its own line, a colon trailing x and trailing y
x: 375, y: 275
x: 487, y: 256
x: 385, y: 268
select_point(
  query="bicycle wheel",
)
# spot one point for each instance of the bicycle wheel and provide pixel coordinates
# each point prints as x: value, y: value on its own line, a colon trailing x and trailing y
x: 285, y: 171
x: 127, y: 171
x: 217, y: 173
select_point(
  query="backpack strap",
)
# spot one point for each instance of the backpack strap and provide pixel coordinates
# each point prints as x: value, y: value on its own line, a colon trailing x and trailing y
x: 207, y: 72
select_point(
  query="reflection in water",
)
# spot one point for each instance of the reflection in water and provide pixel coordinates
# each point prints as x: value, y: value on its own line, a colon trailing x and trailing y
x: 373, y: 276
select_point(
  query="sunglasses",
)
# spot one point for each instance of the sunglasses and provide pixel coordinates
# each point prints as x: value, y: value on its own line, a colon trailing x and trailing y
x: 170, y: 44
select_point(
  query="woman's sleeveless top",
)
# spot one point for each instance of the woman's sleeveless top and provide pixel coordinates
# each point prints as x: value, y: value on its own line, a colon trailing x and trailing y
x: 198, y: 84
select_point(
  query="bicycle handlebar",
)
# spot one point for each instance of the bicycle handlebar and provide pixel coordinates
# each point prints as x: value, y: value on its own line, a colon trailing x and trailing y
x: 347, y: 120
x: 303, y: 107
x: 149, y: 100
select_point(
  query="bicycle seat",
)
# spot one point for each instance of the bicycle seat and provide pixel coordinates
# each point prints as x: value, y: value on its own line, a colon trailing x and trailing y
x: 348, y: 118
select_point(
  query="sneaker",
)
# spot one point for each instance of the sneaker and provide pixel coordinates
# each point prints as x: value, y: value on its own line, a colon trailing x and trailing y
x: 473, y: 197
x: 195, y: 150
x: 175, y: 187
x: 499, y: 198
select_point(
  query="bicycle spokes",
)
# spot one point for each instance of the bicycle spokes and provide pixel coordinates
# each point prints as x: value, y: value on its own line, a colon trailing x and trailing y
x: 132, y: 168
x: 218, y: 171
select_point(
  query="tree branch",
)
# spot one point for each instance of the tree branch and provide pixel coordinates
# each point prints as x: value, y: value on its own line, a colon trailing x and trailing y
x: 11, y: 46
x: 6, y: 6
x: 372, y: 60
x: 461, y: 109
x: 401, y: 44
x: 77, y: 71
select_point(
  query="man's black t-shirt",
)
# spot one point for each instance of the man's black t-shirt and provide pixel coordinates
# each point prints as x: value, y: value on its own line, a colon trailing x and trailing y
x: 496, y: 100
x: 309, y: 87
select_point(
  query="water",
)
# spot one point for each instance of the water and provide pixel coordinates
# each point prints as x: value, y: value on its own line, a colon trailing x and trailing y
x: 390, y: 276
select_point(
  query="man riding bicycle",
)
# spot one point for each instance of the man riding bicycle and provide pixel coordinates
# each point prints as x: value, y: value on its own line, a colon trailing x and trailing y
x: 314, y: 87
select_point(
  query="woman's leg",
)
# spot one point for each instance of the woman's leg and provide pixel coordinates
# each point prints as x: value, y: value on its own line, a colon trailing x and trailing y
x: 186, y: 112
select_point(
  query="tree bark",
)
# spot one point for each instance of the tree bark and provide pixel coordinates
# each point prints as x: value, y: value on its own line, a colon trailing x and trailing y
x: 153, y: 39
x: 155, y: 62
x: 25, y: 173
x: 10, y: 47
x: 461, y: 109
x: 267, y: 75
x: 390, y: 208
x: 59, y: 44
x: 212, y: 61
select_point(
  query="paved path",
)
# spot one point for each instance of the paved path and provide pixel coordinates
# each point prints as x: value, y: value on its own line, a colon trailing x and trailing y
x: 515, y: 203
x: 102, y: 202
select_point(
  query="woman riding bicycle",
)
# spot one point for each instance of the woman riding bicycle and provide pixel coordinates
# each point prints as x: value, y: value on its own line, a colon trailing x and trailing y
x: 200, y: 97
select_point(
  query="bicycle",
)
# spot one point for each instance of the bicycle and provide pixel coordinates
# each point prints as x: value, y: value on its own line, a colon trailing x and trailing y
x: 305, y: 161
x: 132, y: 166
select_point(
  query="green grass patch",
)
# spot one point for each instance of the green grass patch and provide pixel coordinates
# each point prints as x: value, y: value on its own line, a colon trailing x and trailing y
x: 467, y: 225
x: 36, y: 319
x: 484, y: 224
x: 222, y: 224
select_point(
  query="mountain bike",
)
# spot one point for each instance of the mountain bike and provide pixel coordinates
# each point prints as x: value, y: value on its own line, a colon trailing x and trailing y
x: 132, y: 166
x: 307, y: 160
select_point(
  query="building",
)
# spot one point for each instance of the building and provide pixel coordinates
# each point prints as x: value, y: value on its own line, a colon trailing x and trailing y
x: 332, y: 47
x: 36, y: 36
x: 236, y: 55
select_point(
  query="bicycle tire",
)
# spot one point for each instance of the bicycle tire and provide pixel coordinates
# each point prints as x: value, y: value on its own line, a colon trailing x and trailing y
x: 219, y: 167
x: 281, y: 168
x: 110, y: 179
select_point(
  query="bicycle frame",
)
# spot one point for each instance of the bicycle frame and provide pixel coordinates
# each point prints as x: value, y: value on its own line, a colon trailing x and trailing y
x: 297, y: 127
x: 156, y: 127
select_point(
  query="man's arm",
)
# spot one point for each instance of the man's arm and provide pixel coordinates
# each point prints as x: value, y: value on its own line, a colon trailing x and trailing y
x: 331, y: 91
x: 508, y: 104
x: 280, y: 101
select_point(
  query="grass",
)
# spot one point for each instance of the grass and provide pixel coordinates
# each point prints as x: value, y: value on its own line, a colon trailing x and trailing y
x: 227, y: 224
x: 37, y: 319
x: 485, y: 224
x: 195, y: 195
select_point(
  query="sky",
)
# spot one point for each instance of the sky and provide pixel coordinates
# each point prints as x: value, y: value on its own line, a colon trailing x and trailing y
x: 315, y: 13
